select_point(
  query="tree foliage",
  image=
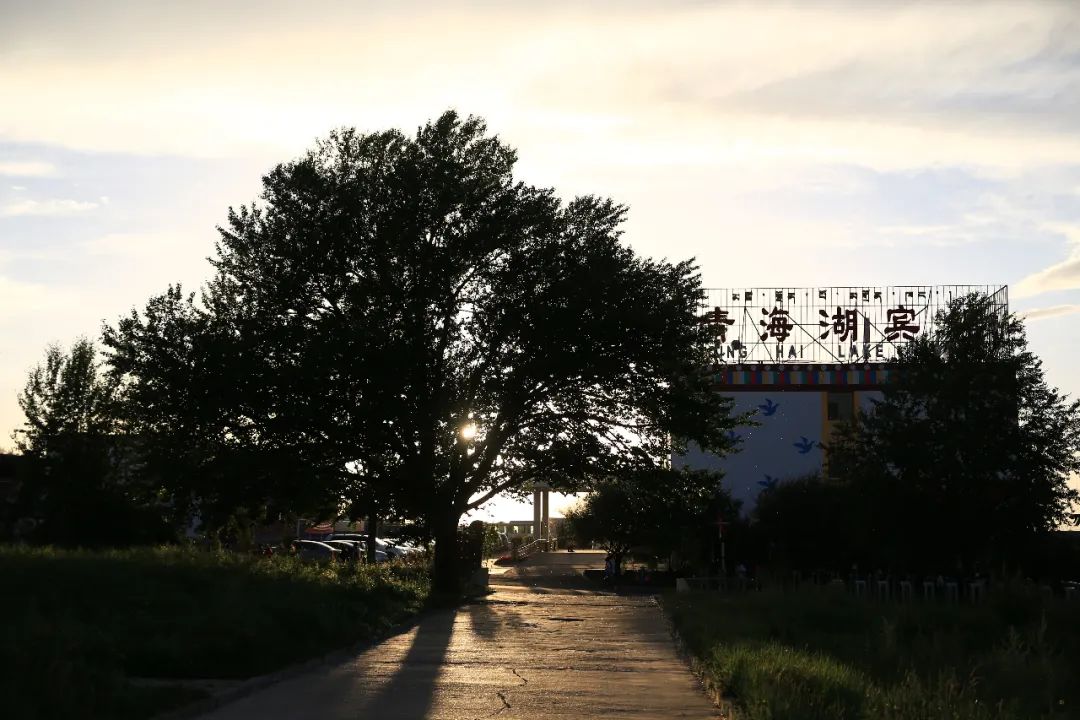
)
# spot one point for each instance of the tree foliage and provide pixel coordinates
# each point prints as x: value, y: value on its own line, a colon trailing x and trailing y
x: 81, y: 486
x: 655, y: 512
x: 196, y: 401
x: 810, y: 523
x: 389, y: 292
x: 968, y: 456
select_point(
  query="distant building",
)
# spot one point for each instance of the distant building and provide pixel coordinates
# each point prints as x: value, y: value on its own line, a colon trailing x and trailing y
x: 10, y: 478
x: 523, y: 528
x: 11, y: 469
x: 803, y: 360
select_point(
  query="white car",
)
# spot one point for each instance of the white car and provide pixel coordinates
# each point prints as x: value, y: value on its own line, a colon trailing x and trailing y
x: 361, y: 547
x: 315, y: 551
x: 407, y: 548
x: 350, y: 549
x: 384, y: 549
x: 394, y: 548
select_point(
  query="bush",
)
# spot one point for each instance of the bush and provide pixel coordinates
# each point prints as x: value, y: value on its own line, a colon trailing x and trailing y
x: 82, y: 622
x: 43, y: 654
x: 809, y: 656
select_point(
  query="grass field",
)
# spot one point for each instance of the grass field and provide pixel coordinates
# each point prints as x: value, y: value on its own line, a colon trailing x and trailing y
x: 78, y: 624
x: 814, y: 655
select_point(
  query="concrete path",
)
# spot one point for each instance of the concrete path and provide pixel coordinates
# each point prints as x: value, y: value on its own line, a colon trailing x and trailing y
x: 543, y: 645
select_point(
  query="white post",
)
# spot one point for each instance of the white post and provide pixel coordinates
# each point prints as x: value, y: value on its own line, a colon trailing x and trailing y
x: 544, y: 523
x: 537, y: 512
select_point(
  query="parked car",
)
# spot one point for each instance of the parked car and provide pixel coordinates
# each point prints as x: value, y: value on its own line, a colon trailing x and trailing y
x: 388, y: 547
x: 405, y: 547
x: 360, y: 540
x: 397, y: 548
x: 361, y: 537
x: 351, y: 550
x: 316, y: 551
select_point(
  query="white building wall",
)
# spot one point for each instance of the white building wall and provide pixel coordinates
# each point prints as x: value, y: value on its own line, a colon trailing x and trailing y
x: 786, y: 443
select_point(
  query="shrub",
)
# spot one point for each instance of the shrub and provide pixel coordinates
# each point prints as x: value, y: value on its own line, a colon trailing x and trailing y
x: 82, y: 622
x: 807, y: 656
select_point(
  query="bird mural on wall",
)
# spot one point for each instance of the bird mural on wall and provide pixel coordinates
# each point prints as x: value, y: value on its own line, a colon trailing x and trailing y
x: 769, y: 408
x: 805, y: 445
x: 769, y: 482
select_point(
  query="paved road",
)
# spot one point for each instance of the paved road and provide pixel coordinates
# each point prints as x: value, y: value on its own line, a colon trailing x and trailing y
x: 543, y: 645
x: 555, y: 568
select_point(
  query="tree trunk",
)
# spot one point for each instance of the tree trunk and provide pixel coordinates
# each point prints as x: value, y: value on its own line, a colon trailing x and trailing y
x: 372, y: 529
x: 446, y: 573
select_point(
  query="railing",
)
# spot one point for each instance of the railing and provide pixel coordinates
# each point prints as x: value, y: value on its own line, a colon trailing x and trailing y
x: 532, y: 548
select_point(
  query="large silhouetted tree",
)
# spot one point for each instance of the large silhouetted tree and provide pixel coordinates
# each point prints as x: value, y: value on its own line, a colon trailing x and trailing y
x: 968, y: 456
x: 426, y: 331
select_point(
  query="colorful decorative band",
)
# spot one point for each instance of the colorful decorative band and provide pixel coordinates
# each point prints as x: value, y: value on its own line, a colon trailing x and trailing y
x: 803, y: 377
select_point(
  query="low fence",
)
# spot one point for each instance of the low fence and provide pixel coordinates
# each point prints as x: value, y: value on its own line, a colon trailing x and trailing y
x: 885, y: 590
x: 717, y: 584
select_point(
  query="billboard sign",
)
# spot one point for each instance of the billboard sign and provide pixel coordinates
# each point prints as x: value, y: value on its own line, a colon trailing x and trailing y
x: 865, y: 324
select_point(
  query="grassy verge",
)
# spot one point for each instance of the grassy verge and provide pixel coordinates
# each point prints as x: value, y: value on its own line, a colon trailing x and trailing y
x: 814, y: 655
x: 78, y: 624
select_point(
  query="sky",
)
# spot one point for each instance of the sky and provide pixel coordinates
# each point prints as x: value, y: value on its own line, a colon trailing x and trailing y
x: 808, y: 144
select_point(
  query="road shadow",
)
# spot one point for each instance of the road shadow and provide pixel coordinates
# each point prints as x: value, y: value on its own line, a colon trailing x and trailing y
x: 574, y: 585
x: 410, y: 692
x: 546, y: 581
x: 488, y: 617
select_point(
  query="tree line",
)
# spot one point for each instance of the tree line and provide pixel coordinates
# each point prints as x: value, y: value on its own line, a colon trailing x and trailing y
x: 963, y: 466
x: 398, y: 326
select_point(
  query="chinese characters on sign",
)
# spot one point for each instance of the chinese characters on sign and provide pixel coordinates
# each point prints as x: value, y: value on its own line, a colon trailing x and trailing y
x: 902, y: 324
x: 779, y: 325
x: 719, y: 321
x: 844, y: 323
x: 832, y: 325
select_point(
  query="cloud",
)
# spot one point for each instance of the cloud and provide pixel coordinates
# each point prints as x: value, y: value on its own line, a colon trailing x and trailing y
x: 134, y: 245
x: 1051, y: 311
x: 691, y: 84
x: 1064, y: 275
x: 45, y: 207
x: 970, y: 228
x: 27, y: 169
